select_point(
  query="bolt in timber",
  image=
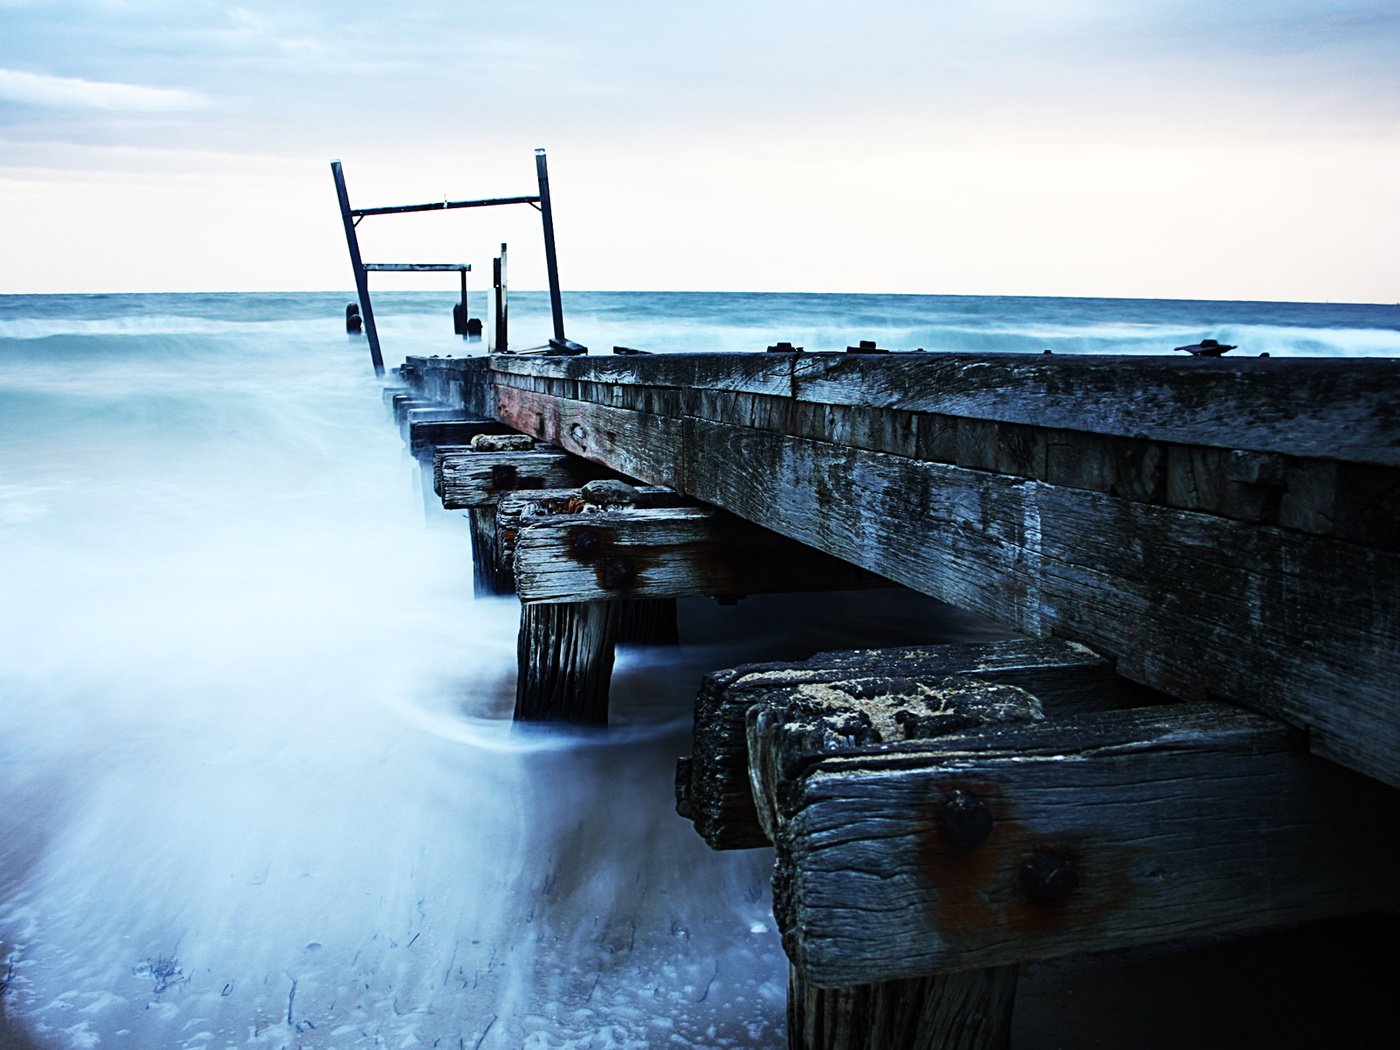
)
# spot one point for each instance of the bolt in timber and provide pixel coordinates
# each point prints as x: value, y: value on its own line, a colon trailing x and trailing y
x: 967, y: 820
x: 1049, y: 877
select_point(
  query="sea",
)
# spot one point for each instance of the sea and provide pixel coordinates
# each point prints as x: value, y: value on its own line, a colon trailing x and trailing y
x: 258, y: 782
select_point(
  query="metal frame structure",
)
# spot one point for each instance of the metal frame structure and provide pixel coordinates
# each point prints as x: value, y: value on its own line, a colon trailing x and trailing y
x: 352, y: 216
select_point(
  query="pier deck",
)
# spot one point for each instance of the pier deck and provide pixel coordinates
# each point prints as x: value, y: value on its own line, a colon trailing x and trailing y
x: 1203, y: 557
x: 1223, y: 529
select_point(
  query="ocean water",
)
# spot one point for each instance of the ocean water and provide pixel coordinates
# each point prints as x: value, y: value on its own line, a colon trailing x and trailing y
x: 258, y: 786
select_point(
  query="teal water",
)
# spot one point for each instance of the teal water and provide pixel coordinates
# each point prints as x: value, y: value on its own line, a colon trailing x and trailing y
x: 257, y: 785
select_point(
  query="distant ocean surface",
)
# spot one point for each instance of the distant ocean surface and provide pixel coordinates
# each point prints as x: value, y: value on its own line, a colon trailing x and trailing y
x: 416, y: 322
x: 257, y: 782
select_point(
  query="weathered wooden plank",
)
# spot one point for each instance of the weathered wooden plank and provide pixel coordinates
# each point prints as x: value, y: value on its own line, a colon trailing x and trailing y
x: 422, y: 436
x: 457, y: 382
x: 1327, y: 408
x: 758, y: 373
x: 1331, y: 409
x: 1301, y: 627
x: 434, y: 414
x: 402, y: 404
x: 1116, y: 829
x: 1295, y: 493
x: 972, y: 1008
x: 491, y: 574
x: 533, y: 505
x: 715, y: 792
x: 640, y: 445
x: 808, y: 720
x: 467, y: 478
x: 667, y: 553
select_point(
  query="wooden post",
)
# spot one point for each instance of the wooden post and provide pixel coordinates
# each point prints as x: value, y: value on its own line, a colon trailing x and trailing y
x: 352, y: 242
x: 953, y: 1011
x: 499, y: 274
x: 564, y: 656
x: 489, y: 575
x: 556, y: 304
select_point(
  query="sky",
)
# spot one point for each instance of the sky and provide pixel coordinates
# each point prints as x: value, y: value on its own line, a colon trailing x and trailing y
x: 1159, y: 148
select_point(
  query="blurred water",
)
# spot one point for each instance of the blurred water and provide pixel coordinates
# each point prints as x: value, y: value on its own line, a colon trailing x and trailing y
x: 257, y: 784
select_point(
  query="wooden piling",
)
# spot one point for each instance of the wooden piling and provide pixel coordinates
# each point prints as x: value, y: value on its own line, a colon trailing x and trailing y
x: 951, y: 1011
x: 564, y: 658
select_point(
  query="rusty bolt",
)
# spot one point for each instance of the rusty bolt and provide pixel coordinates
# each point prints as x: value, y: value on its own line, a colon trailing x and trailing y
x: 617, y: 573
x: 585, y: 543
x: 1049, y: 877
x: 967, y: 820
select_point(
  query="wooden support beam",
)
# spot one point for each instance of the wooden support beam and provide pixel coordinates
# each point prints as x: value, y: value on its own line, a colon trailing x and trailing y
x: 638, y: 622
x: 459, y: 382
x: 971, y: 1008
x: 423, y: 436
x: 433, y: 414
x: 1034, y: 840
x: 713, y: 785
x: 667, y: 553
x: 565, y: 659
x: 491, y: 575
x: 466, y: 478
x: 403, y: 404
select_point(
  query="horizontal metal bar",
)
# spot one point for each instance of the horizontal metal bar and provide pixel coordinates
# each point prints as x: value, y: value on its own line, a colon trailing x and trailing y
x: 433, y: 267
x: 399, y: 209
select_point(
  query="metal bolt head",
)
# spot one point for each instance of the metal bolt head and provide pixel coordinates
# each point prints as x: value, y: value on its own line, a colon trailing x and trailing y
x: 967, y: 820
x: 617, y: 574
x: 585, y: 543
x: 504, y: 477
x: 1049, y: 877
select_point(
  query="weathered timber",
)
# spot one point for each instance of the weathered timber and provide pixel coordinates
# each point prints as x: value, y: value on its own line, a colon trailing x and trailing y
x: 1297, y: 626
x: 491, y: 575
x: 972, y: 1008
x: 716, y: 794
x: 1115, y: 829
x: 925, y: 469
x: 640, y: 622
x: 953, y: 1011
x: 402, y: 404
x: 460, y: 382
x: 431, y: 414
x: 667, y: 553
x: 1326, y: 408
x: 424, y: 436
x: 466, y: 478
x: 1264, y: 487
x: 564, y: 656
x: 534, y: 505
x: 813, y: 719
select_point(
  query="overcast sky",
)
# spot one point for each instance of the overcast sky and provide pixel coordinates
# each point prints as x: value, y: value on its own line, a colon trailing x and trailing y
x: 1165, y: 148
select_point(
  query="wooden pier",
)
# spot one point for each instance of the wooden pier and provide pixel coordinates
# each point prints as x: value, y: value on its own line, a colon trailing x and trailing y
x: 1199, y: 732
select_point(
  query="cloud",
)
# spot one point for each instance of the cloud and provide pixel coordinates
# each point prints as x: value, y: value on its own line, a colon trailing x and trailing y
x: 37, y: 89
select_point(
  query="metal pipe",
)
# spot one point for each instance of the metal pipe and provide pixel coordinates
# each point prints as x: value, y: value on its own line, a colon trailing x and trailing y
x: 401, y: 209
x: 556, y: 304
x: 361, y: 281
